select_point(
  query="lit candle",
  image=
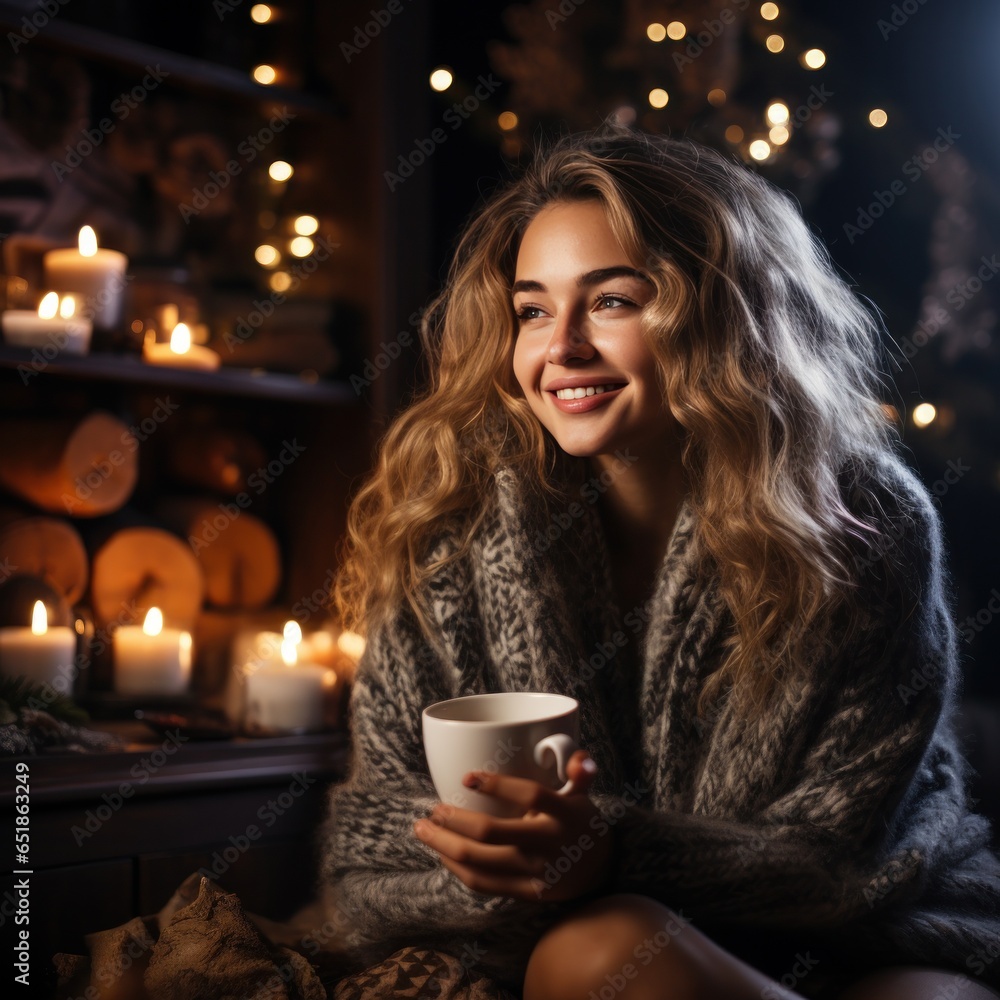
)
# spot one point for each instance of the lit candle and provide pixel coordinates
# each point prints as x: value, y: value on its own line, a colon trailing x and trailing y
x: 97, y: 275
x: 151, y: 659
x: 53, y: 328
x: 180, y: 352
x: 40, y: 654
x: 285, y: 698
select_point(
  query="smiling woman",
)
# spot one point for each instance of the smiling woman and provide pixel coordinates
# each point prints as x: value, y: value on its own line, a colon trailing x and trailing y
x: 759, y: 809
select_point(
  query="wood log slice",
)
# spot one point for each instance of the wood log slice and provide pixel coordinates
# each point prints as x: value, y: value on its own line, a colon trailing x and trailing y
x: 239, y: 555
x: 48, y: 548
x: 83, y: 468
x: 140, y: 568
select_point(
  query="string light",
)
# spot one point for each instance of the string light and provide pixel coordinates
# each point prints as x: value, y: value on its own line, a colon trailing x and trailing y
x: 774, y: 43
x: 676, y: 30
x: 779, y: 135
x: 655, y: 32
x: 441, y: 79
x: 777, y: 113
x: 305, y: 225
x: 264, y: 74
x: 717, y: 97
x: 759, y: 149
x: 280, y: 281
x: 769, y: 11
x: 507, y: 121
x: 877, y: 117
x: 813, y: 59
x: 266, y: 255
x: 924, y: 414
x: 260, y: 13
x: 301, y: 246
x: 658, y: 97
x: 280, y: 171
x: 734, y: 134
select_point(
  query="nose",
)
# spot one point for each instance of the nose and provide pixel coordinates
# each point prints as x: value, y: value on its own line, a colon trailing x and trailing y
x: 568, y: 342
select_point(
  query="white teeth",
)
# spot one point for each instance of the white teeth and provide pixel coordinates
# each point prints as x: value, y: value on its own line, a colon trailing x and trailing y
x: 580, y: 391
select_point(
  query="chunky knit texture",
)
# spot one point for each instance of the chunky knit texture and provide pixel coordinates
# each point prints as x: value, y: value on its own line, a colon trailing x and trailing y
x: 839, y: 822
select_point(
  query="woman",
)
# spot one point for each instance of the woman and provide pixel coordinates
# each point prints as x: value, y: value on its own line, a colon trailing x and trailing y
x: 652, y: 471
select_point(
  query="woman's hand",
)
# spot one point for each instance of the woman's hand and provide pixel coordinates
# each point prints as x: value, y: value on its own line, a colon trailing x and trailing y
x: 551, y: 853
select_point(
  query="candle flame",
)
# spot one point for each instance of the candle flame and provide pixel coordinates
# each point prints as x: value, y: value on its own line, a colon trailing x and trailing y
x: 88, y: 242
x: 49, y: 305
x: 67, y: 307
x: 39, y: 620
x: 180, y: 339
x: 289, y: 654
x: 153, y: 625
x: 292, y: 632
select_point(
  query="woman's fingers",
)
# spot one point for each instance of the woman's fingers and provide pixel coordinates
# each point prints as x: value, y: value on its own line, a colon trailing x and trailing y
x: 530, y: 796
x: 524, y: 832
x: 500, y: 859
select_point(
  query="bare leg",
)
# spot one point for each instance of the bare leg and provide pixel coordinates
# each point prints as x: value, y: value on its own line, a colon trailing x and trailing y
x: 630, y: 947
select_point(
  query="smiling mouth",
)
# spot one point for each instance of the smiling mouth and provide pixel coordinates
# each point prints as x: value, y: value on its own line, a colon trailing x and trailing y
x: 590, y: 390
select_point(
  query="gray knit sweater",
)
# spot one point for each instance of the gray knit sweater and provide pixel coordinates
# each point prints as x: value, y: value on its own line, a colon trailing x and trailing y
x: 840, y: 823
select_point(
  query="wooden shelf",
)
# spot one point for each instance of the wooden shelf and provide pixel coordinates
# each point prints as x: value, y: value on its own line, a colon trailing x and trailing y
x: 245, y: 382
x: 197, y: 73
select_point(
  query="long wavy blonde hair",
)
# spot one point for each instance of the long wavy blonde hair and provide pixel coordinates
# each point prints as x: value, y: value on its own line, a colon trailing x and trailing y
x: 768, y: 361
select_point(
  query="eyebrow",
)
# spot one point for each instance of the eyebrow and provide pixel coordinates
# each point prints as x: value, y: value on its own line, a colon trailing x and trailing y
x: 594, y: 277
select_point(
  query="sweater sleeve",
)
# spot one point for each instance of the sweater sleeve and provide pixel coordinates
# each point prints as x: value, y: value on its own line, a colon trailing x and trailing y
x: 388, y: 885
x: 875, y: 799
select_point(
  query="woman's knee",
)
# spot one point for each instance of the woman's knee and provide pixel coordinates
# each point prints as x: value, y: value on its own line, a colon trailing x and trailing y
x: 614, y: 946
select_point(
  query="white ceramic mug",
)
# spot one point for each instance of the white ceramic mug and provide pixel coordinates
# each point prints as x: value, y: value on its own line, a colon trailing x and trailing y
x: 528, y: 734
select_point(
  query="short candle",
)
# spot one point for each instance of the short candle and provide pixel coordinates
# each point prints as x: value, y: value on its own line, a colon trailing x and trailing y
x: 40, y: 654
x: 94, y: 274
x: 151, y: 659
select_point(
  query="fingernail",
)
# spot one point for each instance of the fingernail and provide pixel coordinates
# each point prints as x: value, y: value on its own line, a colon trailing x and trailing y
x: 421, y: 827
x: 589, y: 765
x: 471, y: 781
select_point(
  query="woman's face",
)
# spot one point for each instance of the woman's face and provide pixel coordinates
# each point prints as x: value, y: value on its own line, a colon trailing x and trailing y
x: 580, y: 356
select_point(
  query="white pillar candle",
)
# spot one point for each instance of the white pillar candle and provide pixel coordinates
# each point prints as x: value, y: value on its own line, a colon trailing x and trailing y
x: 151, y: 659
x: 38, y: 653
x: 95, y: 274
x: 53, y: 328
x: 286, y: 698
x: 180, y: 352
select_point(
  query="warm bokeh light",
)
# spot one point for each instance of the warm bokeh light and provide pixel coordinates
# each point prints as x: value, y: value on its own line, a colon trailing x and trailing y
x: 769, y: 11
x: 924, y: 414
x: 779, y: 135
x: 676, y: 30
x: 877, y: 117
x: 813, y: 58
x: 67, y: 307
x: 734, y: 133
x: 49, y: 305
x: 658, y: 97
x: 280, y: 281
x: 777, y: 113
x: 441, y: 79
x: 260, y: 13
x: 655, y: 32
x: 292, y: 632
x: 774, y: 43
x: 301, y: 246
x: 180, y: 339
x: 717, y: 97
x: 305, y: 225
x: 265, y: 74
x: 759, y: 149
x: 266, y: 255
x: 351, y: 644
x: 280, y: 171
x: 507, y: 121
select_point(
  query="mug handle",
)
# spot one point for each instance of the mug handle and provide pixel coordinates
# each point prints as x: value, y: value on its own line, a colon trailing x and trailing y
x: 561, y: 747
